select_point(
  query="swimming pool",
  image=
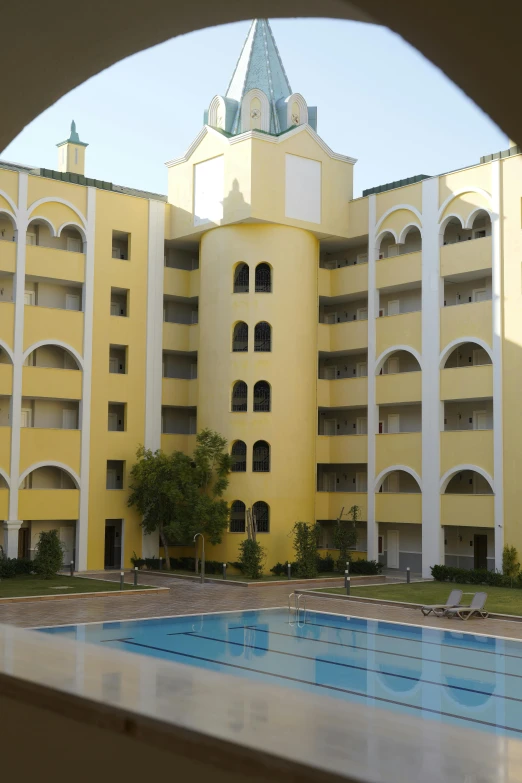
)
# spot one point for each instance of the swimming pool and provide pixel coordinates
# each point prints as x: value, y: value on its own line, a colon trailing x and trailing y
x: 460, y: 678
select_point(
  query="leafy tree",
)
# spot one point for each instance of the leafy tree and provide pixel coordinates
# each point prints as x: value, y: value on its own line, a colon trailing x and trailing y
x: 510, y: 564
x: 306, y: 539
x: 345, y: 535
x: 251, y: 558
x: 180, y: 496
x: 49, y: 554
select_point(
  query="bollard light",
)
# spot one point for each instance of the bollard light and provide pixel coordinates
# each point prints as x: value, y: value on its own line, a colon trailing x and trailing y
x: 289, y: 570
x: 71, y: 566
x: 347, y: 585
x: 348, y: 566
x: 122, y: 576
x: 408, y: 574
x: 135, y: 576
x: 346, y: 578
x: 224, y: 570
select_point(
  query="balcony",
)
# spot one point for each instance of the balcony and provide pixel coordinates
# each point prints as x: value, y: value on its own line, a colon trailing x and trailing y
x: 51, y: 382
x: 328, y: 505
x: 341, y: 449
x: 5, y: 450
x: 178, y: 391
x: 8, y: 256
x: 466, y: 383
x: 403, y: 448
x: 402, y: 329
x: 398, y: 507
x: 461, y: 257
x: 399, y: 387
x: 466, y: 447
x: 184, y: 443
x: 347, y: 280
x: 468, y: 510
x: 398, y: 270
x: 48, y: 323
x: 334, y: 394
x: 180, y: 337
x: 349, y: 335
x: 180, y: 282
x: 55, y: 264
x: 4, y: 504
x: 42, y: 444
x: 467, y: 320
x: 51, y: 504
x: 6, y: 380
x: 7, y: 322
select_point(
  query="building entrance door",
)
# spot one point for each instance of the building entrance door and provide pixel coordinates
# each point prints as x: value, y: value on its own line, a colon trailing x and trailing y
x: 110, y: 541
x: 481, y: 551
x: 392, y: 537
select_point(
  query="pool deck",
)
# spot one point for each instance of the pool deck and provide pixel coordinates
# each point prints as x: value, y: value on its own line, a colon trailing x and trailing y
x: 194, y: 598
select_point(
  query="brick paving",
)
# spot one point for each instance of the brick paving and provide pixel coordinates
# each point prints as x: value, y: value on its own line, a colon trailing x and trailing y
x: 192, y: 598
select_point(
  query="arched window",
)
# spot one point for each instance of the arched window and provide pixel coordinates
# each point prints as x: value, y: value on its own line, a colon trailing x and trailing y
x: 468, y: 482
x: 263, y: 336
x: 262, y: 397
x: 261, y: 511
x: 240, y: 337
x: 241, y: 279
x: 238, y: 454
x: 467, y: 355
x: 237, y: 517
x: 263, y: 279
x: 261, y: 457
x: 239, y: 396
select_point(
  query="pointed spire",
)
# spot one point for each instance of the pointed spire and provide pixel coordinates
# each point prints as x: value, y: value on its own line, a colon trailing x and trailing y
x: 260, y: 66
x: 74, y: 135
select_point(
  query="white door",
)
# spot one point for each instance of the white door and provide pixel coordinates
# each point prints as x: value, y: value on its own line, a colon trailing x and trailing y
x: 194, y: 316
x: 113, y: 364
x: 330, y: 427
x: 362, y: 369
x: 394, y: 307
x: 393, y: 548
x: 362, y: 314
x: 67, y: 536
x: 393, y: 250
x: 329, y: 482
x: 69, y: 419
x: 30, y: 238
x: 113, y: 422
x: 480, y: 420
x: 74, y: 245
x: 480, y: 295
x: 115, y: 252
x: 111, y: 478
x: 29, y: 297
x: 393, y: 482
x: 362, y: 258
x: 194, y: 370
x: 26, y: 418
x: 393, y: 423
x: 361, y: 425
x: 393, y: 365
x: 361, y: 482
x: 330, y: 318
x: 115, y: 308
x: 330, y: 373
x: 479, y: 357
x: 72, y: 302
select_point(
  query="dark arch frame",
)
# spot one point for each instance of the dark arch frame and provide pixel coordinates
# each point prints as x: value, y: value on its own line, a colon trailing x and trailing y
x: 238, y: 453
x: 261, y: 457
x: 239, y: 400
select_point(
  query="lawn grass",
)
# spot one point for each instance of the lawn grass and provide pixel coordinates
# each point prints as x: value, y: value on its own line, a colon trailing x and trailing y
x: 27, y: 585
x: 500, y: 599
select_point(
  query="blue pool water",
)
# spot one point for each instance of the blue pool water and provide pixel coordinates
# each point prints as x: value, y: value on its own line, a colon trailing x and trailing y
x: 454, y: 677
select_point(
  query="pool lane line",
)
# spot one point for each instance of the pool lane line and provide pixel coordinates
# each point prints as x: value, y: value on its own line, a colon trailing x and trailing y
x: 327, y: 687
x: 196, y: 635
x: 369, y: 649
x: 418, y: 641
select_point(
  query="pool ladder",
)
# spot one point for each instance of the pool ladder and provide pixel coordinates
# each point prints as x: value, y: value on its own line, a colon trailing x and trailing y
x: 299, y: 612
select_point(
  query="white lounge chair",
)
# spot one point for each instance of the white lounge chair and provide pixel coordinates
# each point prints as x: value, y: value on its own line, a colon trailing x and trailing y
x: 453, y: 601
x: 465, y: 612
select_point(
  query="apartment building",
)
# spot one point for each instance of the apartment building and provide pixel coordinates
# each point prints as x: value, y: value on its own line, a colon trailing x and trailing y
x: 352, y: 351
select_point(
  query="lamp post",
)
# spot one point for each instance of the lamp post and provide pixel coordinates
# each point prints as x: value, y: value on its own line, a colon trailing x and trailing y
x: 202, y: 555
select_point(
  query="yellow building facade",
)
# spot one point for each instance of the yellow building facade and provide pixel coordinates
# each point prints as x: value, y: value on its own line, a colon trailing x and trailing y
x: 352, y: 351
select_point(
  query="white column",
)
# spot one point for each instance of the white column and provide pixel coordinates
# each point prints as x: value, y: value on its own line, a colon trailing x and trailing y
x: 498, y: 447
x: 82, y: 528
x: 11, y: 529
x: 18, y: 350
x: 432, y: 532
x: 372, y: 408
x: 154, y: 360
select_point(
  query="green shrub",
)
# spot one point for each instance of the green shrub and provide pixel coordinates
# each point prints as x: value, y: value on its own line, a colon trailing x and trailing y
x: 365, y: 567
x: 306, y: 538
x: 325, y: 565
x: 252, y: 557
x: 49, y: 554
x: 281, y: 569
x: 474, y: 576
x: 510, y: 564
x: 7, y: 568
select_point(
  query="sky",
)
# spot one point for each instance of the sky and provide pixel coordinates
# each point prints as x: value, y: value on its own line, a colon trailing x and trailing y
x: 378, y: 100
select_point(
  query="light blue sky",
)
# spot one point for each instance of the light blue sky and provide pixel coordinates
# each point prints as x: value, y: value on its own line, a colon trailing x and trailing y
x: 378, y: 100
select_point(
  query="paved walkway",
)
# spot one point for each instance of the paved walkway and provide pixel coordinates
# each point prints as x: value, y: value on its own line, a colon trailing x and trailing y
x: 192, y: 598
